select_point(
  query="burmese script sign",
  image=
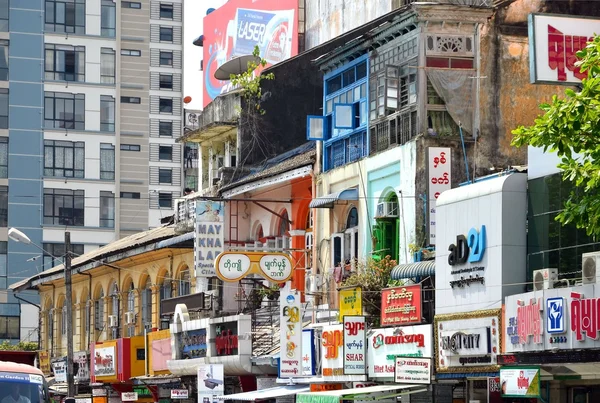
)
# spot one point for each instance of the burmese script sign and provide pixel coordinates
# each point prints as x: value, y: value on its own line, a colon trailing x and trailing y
x: 413, y: 370
x: 233, y: 266
x: 290, y: 318
x: 355, y: 349
x: 401, y: 305
x: 209, y: 236
x: 523, y: 382
x: 350, y: 301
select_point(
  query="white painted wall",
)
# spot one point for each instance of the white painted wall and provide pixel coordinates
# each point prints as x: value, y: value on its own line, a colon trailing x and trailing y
x: 92, y: 17
x: 29, y: 323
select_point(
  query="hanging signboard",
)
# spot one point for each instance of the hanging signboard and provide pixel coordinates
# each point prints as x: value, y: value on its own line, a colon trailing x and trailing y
x: 129, y: 397
x: 401, y: 305
x: 439, y: 179
x: 332, y: 362
x: 104, y: 361
x: 350, y: 301
x: 308, y: 353
x: 355, y: 349
x: 44, y: 359
x: 81, y: 358
x: 179, y: 394
x: 209, y: 236
x: 233, y: 266
x: 523, y: 382
x: 290, y: 318
x: 493, y: 388
x: 60, y: 370
x: 413, y: 370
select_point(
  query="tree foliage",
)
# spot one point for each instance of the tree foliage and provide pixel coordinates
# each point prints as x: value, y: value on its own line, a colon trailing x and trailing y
x: 20, y: 346
x: 373, y: 276
x: 249, y: 82
x: 570, y: 126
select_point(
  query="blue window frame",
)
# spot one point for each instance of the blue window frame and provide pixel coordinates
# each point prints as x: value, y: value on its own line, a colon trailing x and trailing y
x: 344, y: 116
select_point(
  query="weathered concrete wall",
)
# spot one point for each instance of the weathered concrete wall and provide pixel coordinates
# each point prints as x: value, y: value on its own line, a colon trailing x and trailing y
x: 507, y: 98
x: 326, y: 19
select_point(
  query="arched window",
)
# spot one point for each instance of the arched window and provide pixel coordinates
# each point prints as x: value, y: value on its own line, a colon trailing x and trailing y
x: 63, y: 322
x: 114, y: 309
x: 147, y: 304
x: 352, y: 220
x: 259, y: 233
x: 284, y: 225
x: 99, y: 311
x: 184, y: 282
x: 131, y: 299
x: 165, y: 288
x: 50, y: 328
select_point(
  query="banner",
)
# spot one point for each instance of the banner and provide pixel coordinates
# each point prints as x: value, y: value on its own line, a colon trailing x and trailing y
x: 520, y: 381
x: 350, y: 301
x: 209, y: 236
x: 401, y: 305
x: 290, y: 362
x: 355, y: 348
x: 210, y: 382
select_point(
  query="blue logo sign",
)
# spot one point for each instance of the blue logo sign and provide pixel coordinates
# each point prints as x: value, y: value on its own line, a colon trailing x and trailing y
x: 290, y: 299
x: 555, y: 315
x: 468, y: 249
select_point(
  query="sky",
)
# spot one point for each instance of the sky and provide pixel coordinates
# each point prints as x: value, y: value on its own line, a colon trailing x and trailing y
x: 193, y: 16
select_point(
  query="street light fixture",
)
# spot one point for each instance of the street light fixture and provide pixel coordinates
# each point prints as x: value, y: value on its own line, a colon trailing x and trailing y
x: 19, y: 236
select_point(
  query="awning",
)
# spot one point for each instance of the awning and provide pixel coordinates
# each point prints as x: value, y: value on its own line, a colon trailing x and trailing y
x: 329, y: 200
x: 410, y: 270
x: 334, y: 396
x: 265, y: 394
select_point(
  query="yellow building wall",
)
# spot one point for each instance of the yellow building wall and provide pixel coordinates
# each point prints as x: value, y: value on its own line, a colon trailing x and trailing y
x: 138, y: 367
x: 156, y: 266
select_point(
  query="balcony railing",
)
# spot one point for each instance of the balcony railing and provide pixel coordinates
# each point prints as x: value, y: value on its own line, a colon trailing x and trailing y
x: 396, y: 129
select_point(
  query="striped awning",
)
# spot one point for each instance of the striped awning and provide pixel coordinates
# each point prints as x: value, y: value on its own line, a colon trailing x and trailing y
x: 329, y: 200
x: 411, y: 270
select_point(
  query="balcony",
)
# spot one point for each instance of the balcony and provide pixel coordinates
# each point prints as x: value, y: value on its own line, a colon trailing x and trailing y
x: 393, y: 130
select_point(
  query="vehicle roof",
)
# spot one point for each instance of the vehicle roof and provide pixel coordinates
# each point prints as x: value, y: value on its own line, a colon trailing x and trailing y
x: 8, y: 366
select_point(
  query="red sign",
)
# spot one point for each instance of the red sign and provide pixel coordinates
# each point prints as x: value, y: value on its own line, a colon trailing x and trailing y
x: 401, y: 305
x: 235, y: 28
x: 562, y: 52
x: 585, y: 316
x: 323, y: 387
x: 529, y: 321
x: 226, y: 342
x: 494, y: 392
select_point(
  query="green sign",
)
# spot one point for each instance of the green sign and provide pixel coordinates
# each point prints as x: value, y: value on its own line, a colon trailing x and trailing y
x: 142, y: 391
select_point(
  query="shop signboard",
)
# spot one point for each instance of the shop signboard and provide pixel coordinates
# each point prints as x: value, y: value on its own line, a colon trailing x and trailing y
x: 273, y: 266
x: 104, y: 361
x: 60, y: 370
x: 520, y: 382
x: 468, y: 341
x: 309, y: 364
x: 209, y: 236
x: 401, y: 305
x: 332, y: 340
x: 493, y: 389
x: 355, y: 349
x: 439, y: 179
x: 290, y: 317
x: 554, y: 43
x: 44, y: 358
x: 177, y: 394
x: 192, y: 344
x: 210, y: 382
x: 226, y: 339
x: 129, y: 396
x: 350, y: 301
x: 385, y: 344
x: 413, y: 370
x: 81, y: 360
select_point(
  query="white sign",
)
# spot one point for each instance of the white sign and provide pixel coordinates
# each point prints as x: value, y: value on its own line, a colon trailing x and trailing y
x: 60, y: 371
x: 308, y: 351
x: 355, y: 349
x: 468, y: 342
x: 387, y: 343
x: 554, y: 41
x: 413, y: 370
x: 209, y: 236
x: 129, y: 396
x: 179, y: 393
x: 104, y: 361
x: 439, y: 179
x: 524, y: 382
x: 290, y: 318
x: 277, y: 268
x: 210, y: 382
x: 83, y: 371
x: 332, y: 340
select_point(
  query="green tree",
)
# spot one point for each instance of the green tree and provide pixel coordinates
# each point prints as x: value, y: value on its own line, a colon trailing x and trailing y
x: 20, y: 346
x: 570, y: 126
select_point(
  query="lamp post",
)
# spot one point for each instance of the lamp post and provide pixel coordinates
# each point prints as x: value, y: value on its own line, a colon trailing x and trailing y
x: 19, y: 236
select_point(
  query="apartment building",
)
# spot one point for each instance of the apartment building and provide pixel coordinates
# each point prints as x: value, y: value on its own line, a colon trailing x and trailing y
x: 90, y: 110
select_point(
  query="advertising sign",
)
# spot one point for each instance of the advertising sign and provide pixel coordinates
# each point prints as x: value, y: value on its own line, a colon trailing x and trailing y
x: 235, y: 28
x: 209, y: 236
x: 494, y: 391
x: 332, y: 361
x: 129, y: 396
x: 520, y: 382
x: 60, y: 370
x: 554, y: 42
x: 401, y: 305
x: 309, y: 365
x: 290, y: 363
x: 104, y: 361
x: 413, y: 370
x: 179, y: 394
x: 388, y: 343
x: 81, y: 359
x: 350, y: 301
x: 44, y: 358
x: 233, y: 266
x: 210, y: 382
x: 192, y: 344
x: 355, y: 348
x: 439, y: 179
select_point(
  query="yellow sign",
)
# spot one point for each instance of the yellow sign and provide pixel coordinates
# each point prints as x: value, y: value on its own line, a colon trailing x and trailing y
x: 350, y: 301
x: 44, y: 358
x: 233, y: 266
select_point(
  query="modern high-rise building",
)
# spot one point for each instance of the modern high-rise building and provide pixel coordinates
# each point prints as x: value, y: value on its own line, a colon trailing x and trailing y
x: 90, y: 110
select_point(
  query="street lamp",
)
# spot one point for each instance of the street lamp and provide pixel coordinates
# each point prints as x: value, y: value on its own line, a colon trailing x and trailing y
x: 19, y: 236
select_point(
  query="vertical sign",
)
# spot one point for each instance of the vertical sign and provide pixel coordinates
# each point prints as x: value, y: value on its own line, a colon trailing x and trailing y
x: 494, y: 394
x: 332, y: 364
x: 439, y: 179
x: 209, y: 236
x: 355, y: 349
x: 350, y: 301
x: 308, y: 352
x: 290, y: 318
x: 210, y: 382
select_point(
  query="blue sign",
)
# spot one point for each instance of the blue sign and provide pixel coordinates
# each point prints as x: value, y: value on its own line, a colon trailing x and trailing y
x: 555, y: 318
x: 193, y: 344
x: 468, y: 249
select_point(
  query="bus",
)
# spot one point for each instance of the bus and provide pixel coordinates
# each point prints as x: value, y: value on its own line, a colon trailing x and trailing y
x: 22, y: 383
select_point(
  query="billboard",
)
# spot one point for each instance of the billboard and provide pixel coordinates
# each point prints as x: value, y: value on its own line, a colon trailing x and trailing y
x: 235, y: 28
x: 210, y: 236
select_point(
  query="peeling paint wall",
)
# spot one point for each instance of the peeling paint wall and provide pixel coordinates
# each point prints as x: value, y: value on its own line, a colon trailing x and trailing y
x: 326, y: 19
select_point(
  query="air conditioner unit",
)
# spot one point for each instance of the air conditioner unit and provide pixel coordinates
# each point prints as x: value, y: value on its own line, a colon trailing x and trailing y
x: 544, y: 279
x: 590, y: 262
x: 113, y: 321
x: 387, y: 209
x: 130, y: 318
x: 312, y: 282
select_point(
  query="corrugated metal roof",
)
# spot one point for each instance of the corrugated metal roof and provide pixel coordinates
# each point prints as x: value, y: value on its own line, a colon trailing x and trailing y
x: 132, y: 241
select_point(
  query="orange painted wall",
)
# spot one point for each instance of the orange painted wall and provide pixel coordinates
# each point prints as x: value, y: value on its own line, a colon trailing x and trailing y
x: 301, y: 196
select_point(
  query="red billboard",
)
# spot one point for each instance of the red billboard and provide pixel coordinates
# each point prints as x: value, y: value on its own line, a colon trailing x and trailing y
x: 235, y: 28
x: 401, y: 305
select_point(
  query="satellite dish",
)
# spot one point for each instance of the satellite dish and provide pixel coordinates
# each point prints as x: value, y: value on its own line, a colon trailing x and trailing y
x: 235, y: 66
